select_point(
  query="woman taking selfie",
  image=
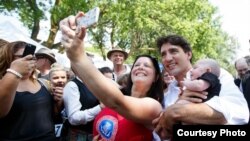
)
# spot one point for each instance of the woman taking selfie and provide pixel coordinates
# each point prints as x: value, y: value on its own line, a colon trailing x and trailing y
x: 135, y: 111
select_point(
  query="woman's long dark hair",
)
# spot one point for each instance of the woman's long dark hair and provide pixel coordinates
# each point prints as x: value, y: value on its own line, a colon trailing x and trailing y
x: 156, y: 90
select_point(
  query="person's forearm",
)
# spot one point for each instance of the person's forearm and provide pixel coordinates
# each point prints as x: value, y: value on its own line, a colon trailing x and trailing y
x: 197, y: 85
x: 84, y: 116
x: 197, y: 114
x: 8, y: 88
x: 58, y: 106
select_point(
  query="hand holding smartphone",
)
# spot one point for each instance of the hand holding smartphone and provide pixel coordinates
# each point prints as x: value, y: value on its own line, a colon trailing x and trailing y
x: 29, y: 49
x: 90, y: 18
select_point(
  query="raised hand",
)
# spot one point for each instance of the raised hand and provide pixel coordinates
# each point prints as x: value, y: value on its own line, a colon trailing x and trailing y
x: 162, y: 126
x: 24, y: 65
x: 96, y: 138
x: 57, y: 93
x: 73, y: 36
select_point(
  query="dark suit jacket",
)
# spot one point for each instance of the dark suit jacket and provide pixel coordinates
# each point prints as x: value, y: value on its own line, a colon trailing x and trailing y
x: 246, y: 92
x: 237, y: 82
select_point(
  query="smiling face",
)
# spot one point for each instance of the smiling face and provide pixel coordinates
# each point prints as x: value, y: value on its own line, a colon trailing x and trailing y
x: 117, y: 58
x: 175, y: 60
x: 143, y: 72
x: 166, y: 77
x: 58, y: 78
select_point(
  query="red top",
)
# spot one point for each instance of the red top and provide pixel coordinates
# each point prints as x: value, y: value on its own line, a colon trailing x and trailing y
x: 113, y: 127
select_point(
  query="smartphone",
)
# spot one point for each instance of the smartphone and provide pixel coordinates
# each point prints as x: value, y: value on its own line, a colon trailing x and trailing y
x: 90, y: 18
x: 29, y: 49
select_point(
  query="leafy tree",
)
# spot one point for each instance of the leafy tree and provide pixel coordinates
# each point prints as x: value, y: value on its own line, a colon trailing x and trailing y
x: 28, y: 12
x: 135, y: 24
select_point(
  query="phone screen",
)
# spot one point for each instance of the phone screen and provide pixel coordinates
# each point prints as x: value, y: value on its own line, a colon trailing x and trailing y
x: 90, y: 18
x: 29, y: 49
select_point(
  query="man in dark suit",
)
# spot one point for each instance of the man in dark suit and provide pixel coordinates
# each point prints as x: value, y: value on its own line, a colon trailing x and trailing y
x: 242, y: 66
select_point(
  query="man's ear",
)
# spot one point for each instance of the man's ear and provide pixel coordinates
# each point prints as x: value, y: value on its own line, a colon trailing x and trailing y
x: 189, y: 54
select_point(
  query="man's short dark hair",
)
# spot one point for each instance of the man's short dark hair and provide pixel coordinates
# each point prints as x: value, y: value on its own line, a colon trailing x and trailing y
x: 176, y: 40
x: 105, y: 70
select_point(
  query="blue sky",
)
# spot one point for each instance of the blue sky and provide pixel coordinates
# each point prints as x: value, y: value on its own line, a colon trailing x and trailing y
x: 235, y: 18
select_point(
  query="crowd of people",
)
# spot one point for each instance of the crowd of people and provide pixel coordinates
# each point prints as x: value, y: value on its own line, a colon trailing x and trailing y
x: 41, y: 100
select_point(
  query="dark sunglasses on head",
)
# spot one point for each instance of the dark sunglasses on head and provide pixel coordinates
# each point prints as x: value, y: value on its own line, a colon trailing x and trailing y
x: 40, y: 57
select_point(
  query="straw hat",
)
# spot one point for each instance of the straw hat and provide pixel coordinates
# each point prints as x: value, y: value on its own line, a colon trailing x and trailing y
x: 117, y: 49
x: 47, y: 53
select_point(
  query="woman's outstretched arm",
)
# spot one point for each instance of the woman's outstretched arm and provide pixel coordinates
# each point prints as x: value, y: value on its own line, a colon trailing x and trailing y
x: 138, y: 109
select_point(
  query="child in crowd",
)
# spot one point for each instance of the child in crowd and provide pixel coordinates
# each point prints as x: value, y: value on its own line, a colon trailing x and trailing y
x: 107, y: 72
x: 204, y: 77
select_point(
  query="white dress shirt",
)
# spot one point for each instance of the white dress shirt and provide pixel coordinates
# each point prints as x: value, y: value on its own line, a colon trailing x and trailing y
x: 230, y: 102
x: 128, y: 69
x: 72, y: 104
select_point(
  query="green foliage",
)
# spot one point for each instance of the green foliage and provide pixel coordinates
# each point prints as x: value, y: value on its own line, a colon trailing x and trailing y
x: 27, y: 10
x: 135, y: 24
x: 65, y: 8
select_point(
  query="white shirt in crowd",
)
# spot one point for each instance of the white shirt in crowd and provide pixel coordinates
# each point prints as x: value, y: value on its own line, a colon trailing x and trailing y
x: 230, y: 102
x: 128, y: 69
x: 72, y: 104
